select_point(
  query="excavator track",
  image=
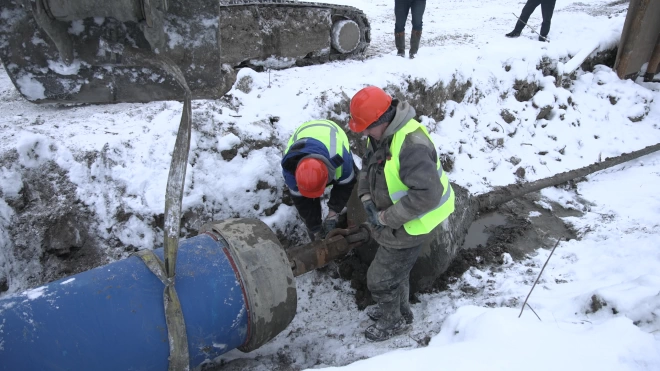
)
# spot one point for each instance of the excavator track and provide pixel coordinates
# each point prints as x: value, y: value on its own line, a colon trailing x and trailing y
x: 99, y: 51
x: 337, y: 13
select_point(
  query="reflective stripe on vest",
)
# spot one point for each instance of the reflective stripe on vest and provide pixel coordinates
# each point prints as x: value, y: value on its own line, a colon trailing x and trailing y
x: 426, y: 222
x: 326, y: 132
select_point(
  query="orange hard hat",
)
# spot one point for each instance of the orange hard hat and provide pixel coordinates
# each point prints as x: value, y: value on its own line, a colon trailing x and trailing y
x: 367, y: 106
x: 311, y: 177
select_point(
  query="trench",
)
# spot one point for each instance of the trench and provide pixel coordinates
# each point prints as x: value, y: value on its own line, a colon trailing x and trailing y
x: 518, y: 228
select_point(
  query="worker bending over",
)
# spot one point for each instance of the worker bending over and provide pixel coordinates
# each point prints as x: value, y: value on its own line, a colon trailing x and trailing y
x: 317, y: 156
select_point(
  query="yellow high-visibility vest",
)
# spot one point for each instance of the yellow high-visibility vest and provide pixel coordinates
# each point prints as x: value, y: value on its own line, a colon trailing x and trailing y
x: 327, y: 132
x: 426, y: 222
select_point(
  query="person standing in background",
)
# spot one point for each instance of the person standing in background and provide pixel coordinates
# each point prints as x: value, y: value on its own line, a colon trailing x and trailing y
x: 547, y: 8
x: 401, y: 10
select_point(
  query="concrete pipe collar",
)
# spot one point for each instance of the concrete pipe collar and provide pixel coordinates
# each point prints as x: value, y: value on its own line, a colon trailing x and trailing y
x: 268, y: 281
x: 345, y: 36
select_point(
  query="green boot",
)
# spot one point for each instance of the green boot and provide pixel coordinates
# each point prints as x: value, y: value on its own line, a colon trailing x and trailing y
x: 400, y: 42
x: 415, y: 37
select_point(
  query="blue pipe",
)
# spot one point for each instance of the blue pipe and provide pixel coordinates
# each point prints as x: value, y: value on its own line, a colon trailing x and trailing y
x: 112, y: 317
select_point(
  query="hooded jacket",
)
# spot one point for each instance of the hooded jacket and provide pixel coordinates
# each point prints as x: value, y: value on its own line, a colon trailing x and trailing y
x: 418, y: 171
x: 342, y: 187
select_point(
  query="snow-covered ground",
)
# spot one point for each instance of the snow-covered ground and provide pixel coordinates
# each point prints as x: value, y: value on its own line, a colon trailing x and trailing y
x: 598, y: 300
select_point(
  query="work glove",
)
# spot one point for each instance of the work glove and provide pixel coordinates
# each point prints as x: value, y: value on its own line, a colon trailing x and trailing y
x: 372, y: 213
x: 329, y: 224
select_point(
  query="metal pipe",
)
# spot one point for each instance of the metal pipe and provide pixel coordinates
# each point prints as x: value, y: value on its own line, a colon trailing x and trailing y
x: 336, y: 245
x: 235, y: 287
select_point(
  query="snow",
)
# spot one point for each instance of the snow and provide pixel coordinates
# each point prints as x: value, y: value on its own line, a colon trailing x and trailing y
x: 30, y: 87
x: 613, y: 264
x: 543, y: 98
x: 35, y: 293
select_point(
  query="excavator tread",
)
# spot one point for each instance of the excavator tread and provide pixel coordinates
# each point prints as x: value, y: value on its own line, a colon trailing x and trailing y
x: 79, y: 54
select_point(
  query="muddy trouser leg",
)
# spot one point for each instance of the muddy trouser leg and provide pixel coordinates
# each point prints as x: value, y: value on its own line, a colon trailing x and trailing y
x: 388, y: 271
x: 404, y: 300
x: 527, y: 11
x: 547, y: 8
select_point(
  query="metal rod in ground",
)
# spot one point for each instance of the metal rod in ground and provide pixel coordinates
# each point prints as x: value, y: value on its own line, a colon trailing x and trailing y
x: 532, y: 28
x: 537, y: 278
x: 533, y: 311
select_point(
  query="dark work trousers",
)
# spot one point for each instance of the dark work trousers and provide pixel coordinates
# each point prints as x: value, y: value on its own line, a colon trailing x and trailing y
x: 401, y: 8
x: 547, y: 8
x: 389, y: 271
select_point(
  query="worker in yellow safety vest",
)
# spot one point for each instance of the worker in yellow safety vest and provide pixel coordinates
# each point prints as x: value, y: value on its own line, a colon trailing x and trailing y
x: 406, y: 195
x: 318, y: 156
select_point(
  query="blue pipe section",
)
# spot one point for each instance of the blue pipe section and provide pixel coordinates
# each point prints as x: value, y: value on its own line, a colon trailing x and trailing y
x: 112, y: 317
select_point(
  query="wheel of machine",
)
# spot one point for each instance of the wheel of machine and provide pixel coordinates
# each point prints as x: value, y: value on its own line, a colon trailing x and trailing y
x: 345, y: 36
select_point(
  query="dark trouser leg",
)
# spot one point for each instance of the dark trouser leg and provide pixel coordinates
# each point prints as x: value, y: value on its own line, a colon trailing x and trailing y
x: 527, y: 11
x: 404, y: 300
x: 401, y: 8
x: 388, y: 271
x: 309, y: 210
x: 547, y: 8
x: 417, y: 11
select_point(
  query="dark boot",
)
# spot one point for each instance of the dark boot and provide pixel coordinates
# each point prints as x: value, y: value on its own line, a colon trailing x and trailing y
x: 415, y: 37
x: 543, y: 38
x: 375, y: 312
x: 400, y: 41
x: 520, y: 24
x: 390, y: 324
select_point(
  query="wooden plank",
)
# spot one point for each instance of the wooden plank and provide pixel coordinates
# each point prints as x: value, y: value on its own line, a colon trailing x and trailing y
x: 654, y: 62
x: 639, y: 37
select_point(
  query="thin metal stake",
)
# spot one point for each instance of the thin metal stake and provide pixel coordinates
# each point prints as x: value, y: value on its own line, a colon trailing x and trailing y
x: 537, y: 278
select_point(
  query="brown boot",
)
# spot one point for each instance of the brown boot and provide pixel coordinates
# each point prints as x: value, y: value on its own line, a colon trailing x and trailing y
x: 415, y: 37
x: 400, y: 42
